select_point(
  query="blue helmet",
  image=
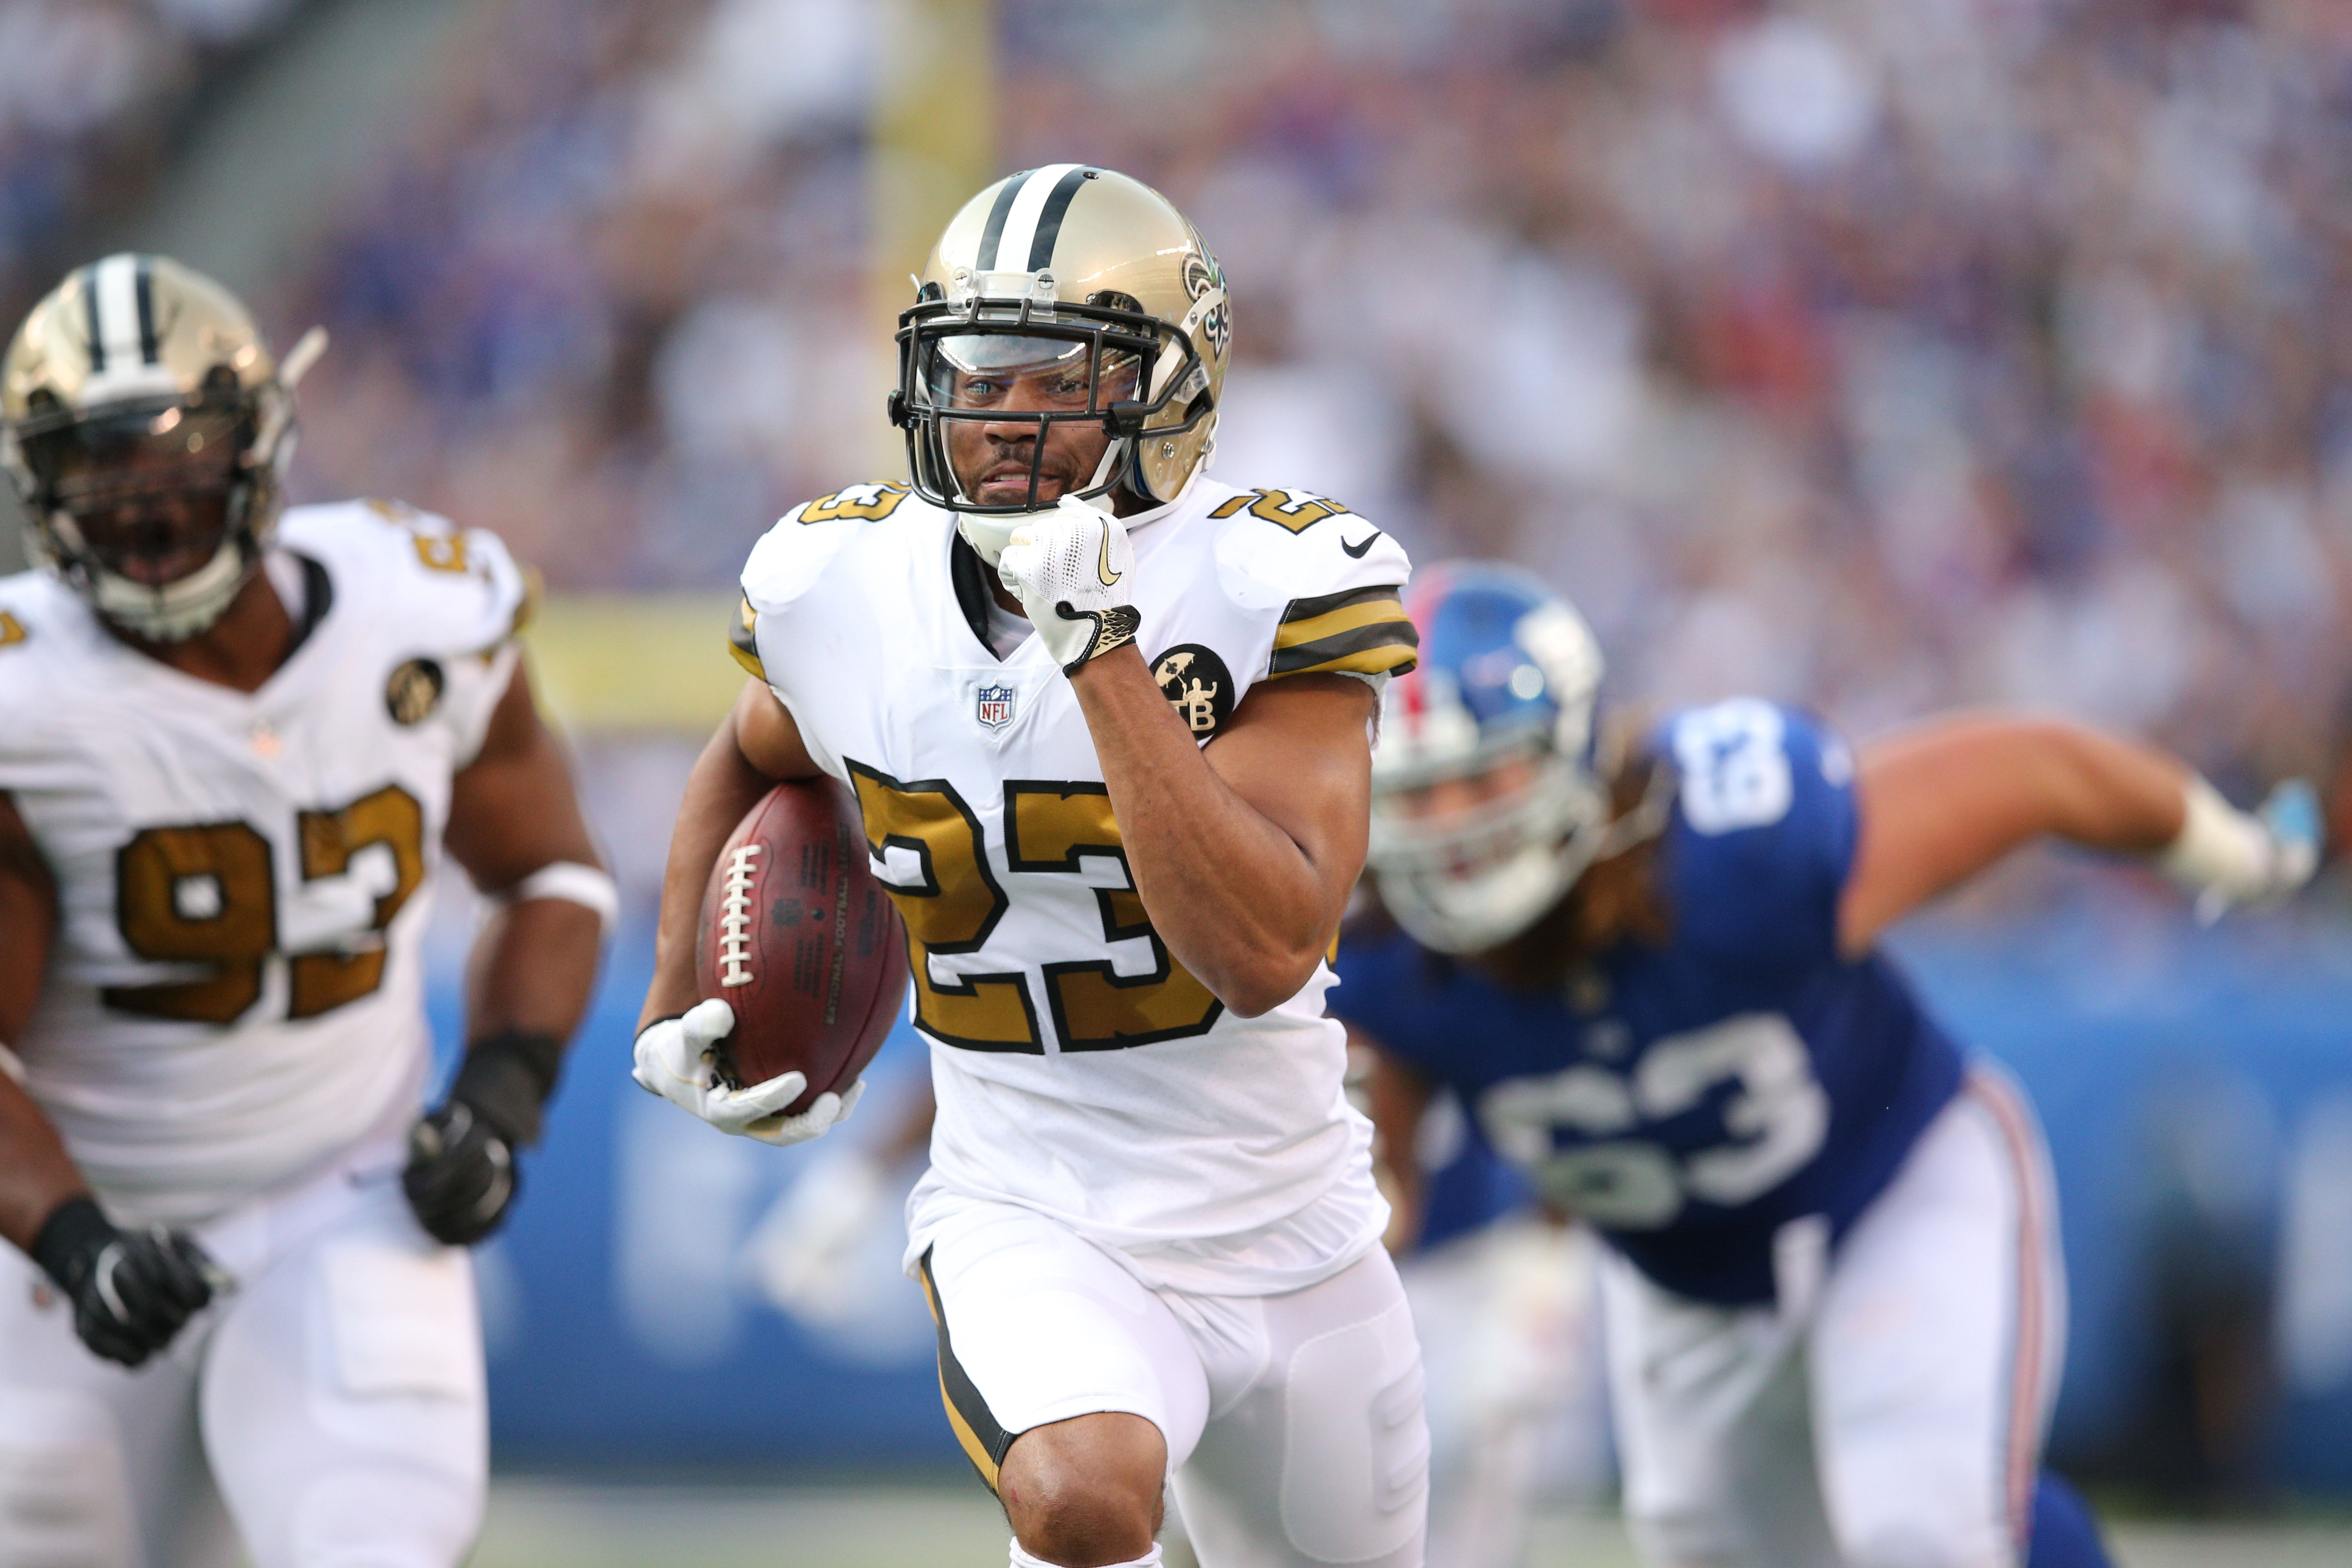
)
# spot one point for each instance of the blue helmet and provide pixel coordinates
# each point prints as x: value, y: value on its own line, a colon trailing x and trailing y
x: 1507, y: 691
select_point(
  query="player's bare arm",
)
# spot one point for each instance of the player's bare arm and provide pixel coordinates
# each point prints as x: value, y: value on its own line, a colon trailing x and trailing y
x: 36, y: 1174
x: 152, y: 1280
x: 755, y: 747
x: 512, y: 813
x: 1945, y: 800
x: 1244, y: 851
x: 515, y: 825
x: 1397, y: 1096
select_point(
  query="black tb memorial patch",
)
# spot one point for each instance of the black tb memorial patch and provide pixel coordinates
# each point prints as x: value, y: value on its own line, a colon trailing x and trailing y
x: 1197, y: 685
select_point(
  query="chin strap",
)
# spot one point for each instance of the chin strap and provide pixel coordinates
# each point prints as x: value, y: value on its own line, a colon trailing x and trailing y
x: 180, y: 610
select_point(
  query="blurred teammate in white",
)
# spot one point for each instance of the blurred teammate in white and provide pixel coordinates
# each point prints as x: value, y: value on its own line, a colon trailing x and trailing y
x: 232, y: 748
x: 1108, y: 723
x: 1832, y: 1292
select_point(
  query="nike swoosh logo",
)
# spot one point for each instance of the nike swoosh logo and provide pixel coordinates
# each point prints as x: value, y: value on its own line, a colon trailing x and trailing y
x: 1102, y: 568
x: 1357, y: 550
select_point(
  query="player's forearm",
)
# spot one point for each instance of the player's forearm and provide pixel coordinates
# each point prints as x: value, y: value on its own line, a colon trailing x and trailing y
x: 1398, y: 1098
x: 2108, y: 793
x: 36, y: 1174
x: 533, y: 970
x: 721, y: 788
x: 1942, y: 801
x: 1235, y: 899
x: 2028, y: 778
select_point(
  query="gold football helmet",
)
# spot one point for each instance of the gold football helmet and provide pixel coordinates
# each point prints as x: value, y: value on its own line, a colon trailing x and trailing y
x: 147, y: 428
x: 1094, y: 277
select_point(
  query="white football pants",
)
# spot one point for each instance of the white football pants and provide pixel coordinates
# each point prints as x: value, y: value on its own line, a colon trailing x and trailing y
x: 1505, y: 1314
x: 1293, y: 1422
x: 335, y: 1400
x: 1890, y: 1412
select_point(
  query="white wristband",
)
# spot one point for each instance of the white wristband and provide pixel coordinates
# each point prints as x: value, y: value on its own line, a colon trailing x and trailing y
x: 2219, y: 848
x: 574, y: 884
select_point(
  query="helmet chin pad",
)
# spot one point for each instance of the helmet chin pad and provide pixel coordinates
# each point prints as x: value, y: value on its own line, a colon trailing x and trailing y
x: 182, y: 608
x: 1458, y: 913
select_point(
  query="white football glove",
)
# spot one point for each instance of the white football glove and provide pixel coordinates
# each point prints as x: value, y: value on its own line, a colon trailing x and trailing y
x: 1070, y: 568
x: 2232, y: 859
x: 676, y: 1059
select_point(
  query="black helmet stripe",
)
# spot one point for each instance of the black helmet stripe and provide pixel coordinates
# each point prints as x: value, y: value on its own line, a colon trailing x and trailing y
x: 90, y: 323
x: 150, y: 350
x: 1016, y: 240
x: 998, y: 210
x: 119, y: 324
x: 1049, y: 219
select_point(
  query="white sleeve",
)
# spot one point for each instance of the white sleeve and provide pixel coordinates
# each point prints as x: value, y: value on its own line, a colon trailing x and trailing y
x: 1333, y: 579
x: 471, y: 601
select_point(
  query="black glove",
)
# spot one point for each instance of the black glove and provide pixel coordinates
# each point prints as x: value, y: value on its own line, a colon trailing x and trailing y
x: 461, y: 1173
x: 131, y: 1290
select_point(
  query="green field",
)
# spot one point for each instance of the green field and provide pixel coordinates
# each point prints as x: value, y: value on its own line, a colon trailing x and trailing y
x: 566, y: 1525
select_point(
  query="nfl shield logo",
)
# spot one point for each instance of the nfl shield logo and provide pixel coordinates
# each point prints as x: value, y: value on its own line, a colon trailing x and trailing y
x: 996, y: 707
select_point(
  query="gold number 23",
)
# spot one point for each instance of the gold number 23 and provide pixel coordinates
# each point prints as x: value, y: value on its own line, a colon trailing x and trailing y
x: 955, y: 904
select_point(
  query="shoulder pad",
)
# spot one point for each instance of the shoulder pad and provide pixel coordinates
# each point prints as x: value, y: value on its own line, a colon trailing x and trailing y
x: 1333, y: 577
x: 30, y: 605
x: 460, y: 587
x: 791, y: 556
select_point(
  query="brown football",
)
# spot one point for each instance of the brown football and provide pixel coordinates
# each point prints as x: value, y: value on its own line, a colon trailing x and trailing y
x: 801, y: 942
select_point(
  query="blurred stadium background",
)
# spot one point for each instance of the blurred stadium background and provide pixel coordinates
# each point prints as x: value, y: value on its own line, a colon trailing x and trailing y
x: 1879, y: 357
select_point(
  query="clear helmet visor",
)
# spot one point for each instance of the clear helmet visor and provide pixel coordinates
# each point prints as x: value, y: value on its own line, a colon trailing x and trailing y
x: 1021, y: 373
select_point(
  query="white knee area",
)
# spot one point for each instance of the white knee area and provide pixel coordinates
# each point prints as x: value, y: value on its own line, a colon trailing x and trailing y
x: 1022, y: 1560
x: 65, y: 1497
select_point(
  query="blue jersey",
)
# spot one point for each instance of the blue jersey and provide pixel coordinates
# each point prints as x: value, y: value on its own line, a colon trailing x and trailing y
x: 1689, y: 1100
x: 1469, y: 1190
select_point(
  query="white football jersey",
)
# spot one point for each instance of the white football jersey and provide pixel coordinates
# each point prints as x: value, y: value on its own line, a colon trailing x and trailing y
x: 1080, y: 1070
x: 235, y: 993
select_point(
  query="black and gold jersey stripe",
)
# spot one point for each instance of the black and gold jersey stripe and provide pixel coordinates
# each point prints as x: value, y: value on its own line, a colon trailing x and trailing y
x: 1363, y: 630
x: 743, y: 640
x: 976, y: 1431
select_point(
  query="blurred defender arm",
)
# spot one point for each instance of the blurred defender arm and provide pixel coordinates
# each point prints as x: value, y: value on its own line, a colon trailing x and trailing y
x: 36, y: 1173
x: 1397, y: 1096
x: 756, y: 747
x: 1941, y: 802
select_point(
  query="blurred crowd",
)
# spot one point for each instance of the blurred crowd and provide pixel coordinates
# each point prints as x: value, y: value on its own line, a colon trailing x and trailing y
x: 1883, y: 357
x: 91, y: 94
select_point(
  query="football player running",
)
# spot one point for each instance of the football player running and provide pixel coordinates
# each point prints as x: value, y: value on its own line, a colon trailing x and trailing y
x: 233, y: 745
x: 1832, y: 1292
x: 1107, y: 722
